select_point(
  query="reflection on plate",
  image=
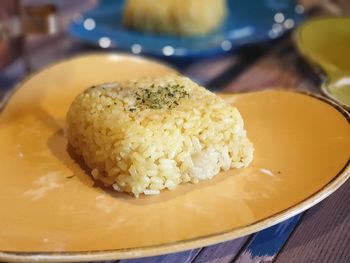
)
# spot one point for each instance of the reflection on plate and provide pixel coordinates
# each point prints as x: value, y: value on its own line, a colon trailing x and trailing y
x: 325, y: 42
x: 50, y: 209
x: 245, y: 24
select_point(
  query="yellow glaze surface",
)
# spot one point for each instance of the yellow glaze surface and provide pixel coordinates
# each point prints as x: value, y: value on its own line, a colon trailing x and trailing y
x: 325, y: 42
x: 49, y: 203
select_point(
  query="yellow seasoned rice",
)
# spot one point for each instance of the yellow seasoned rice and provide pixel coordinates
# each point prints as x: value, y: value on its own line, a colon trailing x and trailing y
x: 148, y: 134
x: 176, y: 17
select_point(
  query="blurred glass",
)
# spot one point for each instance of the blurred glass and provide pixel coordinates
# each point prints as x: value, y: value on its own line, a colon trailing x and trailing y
x: 16, y: 21
x: 11, y: 39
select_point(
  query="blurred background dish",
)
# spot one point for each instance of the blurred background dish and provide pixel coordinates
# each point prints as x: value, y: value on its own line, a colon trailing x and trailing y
x: 325, y: 43
x: 174, y: 17
x: 246, y: 23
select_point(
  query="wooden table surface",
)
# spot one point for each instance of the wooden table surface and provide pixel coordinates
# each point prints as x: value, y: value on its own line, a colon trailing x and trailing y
x: 322, y: 233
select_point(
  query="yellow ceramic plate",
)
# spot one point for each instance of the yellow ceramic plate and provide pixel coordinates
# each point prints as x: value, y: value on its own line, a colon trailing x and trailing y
x: 51, y: 211
x: 325, y: 43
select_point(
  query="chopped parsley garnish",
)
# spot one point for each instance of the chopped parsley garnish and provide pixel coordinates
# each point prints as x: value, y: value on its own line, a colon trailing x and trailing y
x: 159, y: 97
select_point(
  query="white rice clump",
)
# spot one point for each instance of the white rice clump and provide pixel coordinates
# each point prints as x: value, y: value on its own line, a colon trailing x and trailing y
x: 149, y: 134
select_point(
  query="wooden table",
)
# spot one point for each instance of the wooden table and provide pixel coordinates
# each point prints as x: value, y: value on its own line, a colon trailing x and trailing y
x: 321, y: 234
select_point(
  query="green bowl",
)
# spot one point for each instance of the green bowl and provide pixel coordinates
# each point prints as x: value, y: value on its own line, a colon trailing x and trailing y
x: 325, y: 42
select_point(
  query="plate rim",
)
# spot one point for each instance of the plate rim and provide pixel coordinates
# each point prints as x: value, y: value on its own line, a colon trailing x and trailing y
x: 172, y: 247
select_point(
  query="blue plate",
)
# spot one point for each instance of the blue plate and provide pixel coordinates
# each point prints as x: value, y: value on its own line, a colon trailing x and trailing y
x: 247, y: 22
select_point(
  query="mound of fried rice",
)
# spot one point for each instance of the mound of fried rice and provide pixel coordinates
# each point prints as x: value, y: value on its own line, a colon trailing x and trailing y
x: 145, y: 135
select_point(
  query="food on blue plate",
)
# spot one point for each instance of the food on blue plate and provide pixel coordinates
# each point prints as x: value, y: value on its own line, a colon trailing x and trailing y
x: 144, y: 135
x: 174, y: 17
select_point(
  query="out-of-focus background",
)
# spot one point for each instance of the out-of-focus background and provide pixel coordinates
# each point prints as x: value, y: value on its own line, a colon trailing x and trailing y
x: 36, y: 33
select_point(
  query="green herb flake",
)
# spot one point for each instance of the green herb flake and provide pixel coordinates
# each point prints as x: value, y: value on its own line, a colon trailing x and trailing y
x: 159, y: 97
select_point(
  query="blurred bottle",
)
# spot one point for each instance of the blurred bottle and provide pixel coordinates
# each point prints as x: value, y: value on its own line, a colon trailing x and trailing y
x: 11, y: 38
